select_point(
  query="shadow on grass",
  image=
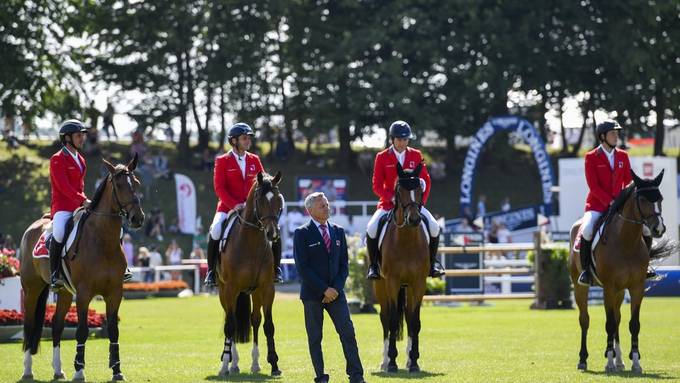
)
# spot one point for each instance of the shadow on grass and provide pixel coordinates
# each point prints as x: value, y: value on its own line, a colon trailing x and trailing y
x: 404, y: 374
x: 241, y: 377
x: 632, y: 375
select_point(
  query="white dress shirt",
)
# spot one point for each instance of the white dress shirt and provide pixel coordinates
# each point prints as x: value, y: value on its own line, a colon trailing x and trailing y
x: 75, y: 158
x: 610, y: 156
x: 401, y: 157
x: 241, y: 161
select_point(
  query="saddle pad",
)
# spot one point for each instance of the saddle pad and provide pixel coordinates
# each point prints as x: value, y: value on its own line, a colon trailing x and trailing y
x: 596, y: 239
x: 384, y: 230
x: 225, y: 234
x: 41, y: 251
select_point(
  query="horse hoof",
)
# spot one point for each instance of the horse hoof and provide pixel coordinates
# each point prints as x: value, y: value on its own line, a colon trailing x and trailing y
x: 59, y: 376
x: 118, y: 378
x: 414, y: 368
x: 255, y: 369
x: 636, y: 369
x: 583, y: 366
x: 392, y: 368
x: 276, y: 372
x: 234, y: 370
x: 223, y: 373
x: 620, y: 367
x: 27, y: 377
x: 609, y: 368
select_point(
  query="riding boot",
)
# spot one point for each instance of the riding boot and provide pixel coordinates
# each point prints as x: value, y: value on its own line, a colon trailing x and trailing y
x: 276, y: 250
x: 585, y: 279
x: 56, y: 282
x: 373, y: 258
x: 213, y: 251
x: 651, y: 274
x: 436, y: 269
x: 127, y: 276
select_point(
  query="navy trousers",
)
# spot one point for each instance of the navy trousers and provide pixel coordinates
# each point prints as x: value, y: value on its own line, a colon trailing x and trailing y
x: 339, y: 313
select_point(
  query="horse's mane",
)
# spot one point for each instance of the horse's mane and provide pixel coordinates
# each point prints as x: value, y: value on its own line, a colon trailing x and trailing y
x: 623, y: 197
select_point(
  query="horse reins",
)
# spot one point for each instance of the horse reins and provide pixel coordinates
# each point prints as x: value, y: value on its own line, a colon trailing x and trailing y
x: 123, y: 212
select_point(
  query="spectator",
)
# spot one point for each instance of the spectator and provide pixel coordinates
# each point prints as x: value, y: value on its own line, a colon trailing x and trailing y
x: 464, y: 226
x: 481, y: 206
x: 108, y: 121
x: 505, y: 206
x: 200, y: 239
x: 197, y: 252
x: 493, y: 233
x: 138, y: 146
x: 9, y: 243
x: 283, y: 147
x: 143, y: 260
x: 174, y: 256
x: 174, y: 226
x: 503, y: 234
x: 128, y: 249
x: 156, y: 224
x: 169, y: 134
x: 160, y: 165
x: 155, y: 258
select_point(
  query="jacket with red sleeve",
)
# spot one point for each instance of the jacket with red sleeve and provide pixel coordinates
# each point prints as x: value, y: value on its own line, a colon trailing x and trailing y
x: 230, y: 186
x: 67, y: 181
x: 385, y: 175
x: 605, y: 184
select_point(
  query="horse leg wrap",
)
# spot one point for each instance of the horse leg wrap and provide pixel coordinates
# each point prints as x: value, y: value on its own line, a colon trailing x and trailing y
x: 227, y: 351
x: 114, y: 357
x: 79, y: 363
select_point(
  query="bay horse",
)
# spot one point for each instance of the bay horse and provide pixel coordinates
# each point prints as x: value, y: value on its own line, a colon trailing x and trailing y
x: 405, y: 266
x: 96, y: 263
x: 246, y: 271
x: 621, y: 262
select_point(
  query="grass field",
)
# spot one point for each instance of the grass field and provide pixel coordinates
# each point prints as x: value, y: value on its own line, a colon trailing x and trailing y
x: 179, y: 340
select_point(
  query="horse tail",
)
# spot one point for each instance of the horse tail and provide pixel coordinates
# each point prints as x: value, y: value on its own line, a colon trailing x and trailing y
x: 664, y: 248
x: 33, y: 326
x: 397, y: 316
x: 242, y: 316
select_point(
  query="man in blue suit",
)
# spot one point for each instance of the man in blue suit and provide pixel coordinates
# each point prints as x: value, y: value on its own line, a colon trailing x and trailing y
x: 322, y: 263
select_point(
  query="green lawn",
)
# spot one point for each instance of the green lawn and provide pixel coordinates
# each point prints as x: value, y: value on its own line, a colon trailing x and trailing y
x: 179, y: 340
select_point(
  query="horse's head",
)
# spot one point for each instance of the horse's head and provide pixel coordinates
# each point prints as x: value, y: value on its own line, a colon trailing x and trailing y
x: 124, y: 182
x: 267, y: 203
x: 408, y: 194
x: 648, y: 203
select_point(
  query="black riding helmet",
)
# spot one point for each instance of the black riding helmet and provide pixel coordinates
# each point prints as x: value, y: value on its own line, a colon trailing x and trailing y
x: 239, y: 129
x: 605, y: 126
x: 401, y: 129
x: 70, y: 127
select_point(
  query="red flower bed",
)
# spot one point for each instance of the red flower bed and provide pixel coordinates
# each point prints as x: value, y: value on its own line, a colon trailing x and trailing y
x: 94, y: 319
x: 154, y: 287
x: 9, y: 265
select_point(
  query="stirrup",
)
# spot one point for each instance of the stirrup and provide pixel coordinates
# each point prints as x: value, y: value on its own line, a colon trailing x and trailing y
x: 56, y: 283
x: 277, y: 275
x: 585, y: 279
x: 210, y: 279
x: 652, y: 276
x: 437, y: 271
x: 373, y: 272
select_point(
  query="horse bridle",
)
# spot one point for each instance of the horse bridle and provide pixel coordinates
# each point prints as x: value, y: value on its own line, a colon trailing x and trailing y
x: 643, y: 220
x: 259, y: 223
x: 398, y: 203
x: 123, y: 210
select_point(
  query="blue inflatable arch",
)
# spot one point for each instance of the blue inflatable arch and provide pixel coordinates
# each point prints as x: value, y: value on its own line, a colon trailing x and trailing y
x: 530, y: 136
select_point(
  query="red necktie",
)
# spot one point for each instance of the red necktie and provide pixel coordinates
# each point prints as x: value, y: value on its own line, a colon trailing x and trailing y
x: 326, y: 237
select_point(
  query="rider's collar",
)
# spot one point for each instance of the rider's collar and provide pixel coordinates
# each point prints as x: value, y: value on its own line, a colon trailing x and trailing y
x: 240, y: 158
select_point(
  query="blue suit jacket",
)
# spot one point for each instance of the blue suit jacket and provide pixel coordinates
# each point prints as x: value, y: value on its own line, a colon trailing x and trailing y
x: 317, y: 268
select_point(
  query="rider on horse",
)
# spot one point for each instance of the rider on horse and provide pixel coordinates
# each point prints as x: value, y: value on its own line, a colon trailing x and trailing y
x: 607, y: 174
x: 384, y: 179
x: 234, y: 175
x: 67, y: 177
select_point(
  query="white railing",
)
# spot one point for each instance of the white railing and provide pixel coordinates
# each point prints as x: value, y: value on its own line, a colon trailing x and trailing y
x: 157, y: 270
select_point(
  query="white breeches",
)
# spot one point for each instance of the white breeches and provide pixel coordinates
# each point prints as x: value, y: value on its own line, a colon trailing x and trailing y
x: 589, y: 220
x: 59, y: 224
x: 216, y: 225
x: 372, y: 227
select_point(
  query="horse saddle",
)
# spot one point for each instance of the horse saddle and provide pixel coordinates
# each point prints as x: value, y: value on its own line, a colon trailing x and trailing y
x: 41, y: 248
x: 227, y: 226
x: 385, y: 219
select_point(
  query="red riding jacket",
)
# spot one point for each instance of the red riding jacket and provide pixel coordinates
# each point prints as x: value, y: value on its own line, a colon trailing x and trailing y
x: 230, y: 186
x: 385, y: 175
x: 67, y: 180
x: 604, y: 183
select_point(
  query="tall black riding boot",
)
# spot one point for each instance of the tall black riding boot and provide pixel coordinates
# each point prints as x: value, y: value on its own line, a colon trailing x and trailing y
x: 213, y: 252
x: 56, y: 282
x: 373, y: 258
x: 586, y: 278
x: 436, y: 269
x: 276, y: 250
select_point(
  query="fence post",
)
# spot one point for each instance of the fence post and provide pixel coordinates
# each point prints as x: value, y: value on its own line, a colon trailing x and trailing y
x: 539, y: 302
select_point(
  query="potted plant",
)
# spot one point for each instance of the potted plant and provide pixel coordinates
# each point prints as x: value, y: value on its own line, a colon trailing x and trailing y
x: 139, y: 290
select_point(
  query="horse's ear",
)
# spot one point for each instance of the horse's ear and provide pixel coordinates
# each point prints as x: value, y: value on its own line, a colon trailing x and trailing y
x: 657, y: 180
x: 133, y: 163
x: 259, y: 177
x: 277, y: 178
x: 400, y: 171
x: 416, y: 171
x: 637, y: 180
x: 109, y: 166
